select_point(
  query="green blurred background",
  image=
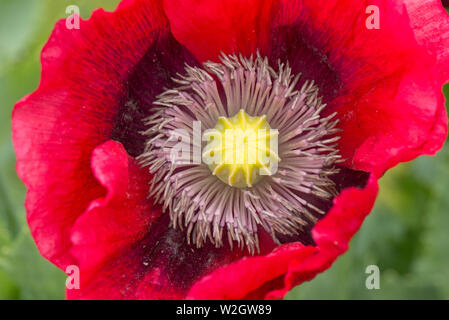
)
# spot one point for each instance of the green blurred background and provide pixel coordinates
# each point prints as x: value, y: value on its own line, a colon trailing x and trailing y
x: 406, y: 235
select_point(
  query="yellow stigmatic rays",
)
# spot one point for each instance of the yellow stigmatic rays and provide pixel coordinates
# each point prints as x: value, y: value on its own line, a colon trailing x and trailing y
x: 241, y: 149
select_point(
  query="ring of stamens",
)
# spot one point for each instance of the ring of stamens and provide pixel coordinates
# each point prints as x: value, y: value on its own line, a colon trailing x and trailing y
x: 211, y: 202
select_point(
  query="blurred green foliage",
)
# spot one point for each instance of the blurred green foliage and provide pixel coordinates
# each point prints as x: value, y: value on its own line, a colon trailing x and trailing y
x: 406, y: 235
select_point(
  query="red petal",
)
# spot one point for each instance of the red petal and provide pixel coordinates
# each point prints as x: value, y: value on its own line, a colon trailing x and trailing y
x: 381, y: 82
x: 414, y: 124
x: 208, y: 27
x: 430, y: 22
x: 236, y: 280
x: 118, y: 220
x: 56, y: 128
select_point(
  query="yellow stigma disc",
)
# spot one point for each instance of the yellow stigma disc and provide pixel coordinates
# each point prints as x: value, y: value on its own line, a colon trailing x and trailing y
x: 241, y: 149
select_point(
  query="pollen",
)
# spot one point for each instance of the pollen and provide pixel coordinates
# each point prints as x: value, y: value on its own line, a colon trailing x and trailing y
x: 241, y: 149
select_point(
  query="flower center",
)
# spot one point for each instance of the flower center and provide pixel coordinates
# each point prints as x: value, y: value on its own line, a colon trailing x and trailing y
x: 215, y: 144
x: 241, y: 149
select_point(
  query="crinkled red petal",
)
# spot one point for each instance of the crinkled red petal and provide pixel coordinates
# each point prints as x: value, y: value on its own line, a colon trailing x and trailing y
x: 208, y: 28
x: 430, y: 23
x: 56, y: 128
x: 382, y: 82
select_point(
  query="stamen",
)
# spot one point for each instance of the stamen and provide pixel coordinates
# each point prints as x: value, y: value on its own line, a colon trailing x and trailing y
x: 235, y: 196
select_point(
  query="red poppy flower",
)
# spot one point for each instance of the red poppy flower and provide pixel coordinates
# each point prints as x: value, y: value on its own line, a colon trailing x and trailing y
x: 93, y: 136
